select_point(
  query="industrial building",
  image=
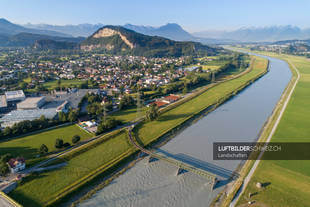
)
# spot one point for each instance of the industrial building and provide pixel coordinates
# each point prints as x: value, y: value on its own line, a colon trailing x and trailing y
x: 15, y: 96
x: 31, y: 103
x: 3, y: 103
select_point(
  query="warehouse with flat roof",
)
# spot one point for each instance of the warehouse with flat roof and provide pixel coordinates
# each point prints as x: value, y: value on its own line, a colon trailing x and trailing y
x: 14, y: 96
x: 31, y: 103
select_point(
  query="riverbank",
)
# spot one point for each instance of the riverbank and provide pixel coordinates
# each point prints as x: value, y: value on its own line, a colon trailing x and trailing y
x: 48, y: 187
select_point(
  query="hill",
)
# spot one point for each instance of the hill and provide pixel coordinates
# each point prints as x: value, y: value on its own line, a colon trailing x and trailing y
x: 47, y: 44
x: 119, y: 40
x: 8, y: 28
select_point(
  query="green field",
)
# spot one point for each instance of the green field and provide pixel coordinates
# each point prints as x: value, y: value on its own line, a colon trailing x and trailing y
x: 64, y: 83
x: 127, y: 115
x: 28, y: 146
x: 36, y: 191
x: 288, y: 181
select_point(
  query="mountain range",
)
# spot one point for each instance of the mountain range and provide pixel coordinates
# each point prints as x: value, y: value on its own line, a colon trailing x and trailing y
x: 176, y: 32
x: 13, y: 34
x: 259, y: 34
x: 8, y: 28
x: 80, y: 30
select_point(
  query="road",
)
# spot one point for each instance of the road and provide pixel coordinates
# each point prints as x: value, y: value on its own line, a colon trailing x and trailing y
x: 5, y: 201
x: 250, y: 174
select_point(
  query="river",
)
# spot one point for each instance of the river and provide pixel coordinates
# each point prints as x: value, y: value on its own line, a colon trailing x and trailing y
x: 239, y: 119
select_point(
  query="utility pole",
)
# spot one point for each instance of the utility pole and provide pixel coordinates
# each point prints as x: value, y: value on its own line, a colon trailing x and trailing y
x: 139, y: 104
x: 104, y: 113
x: 213, y: 77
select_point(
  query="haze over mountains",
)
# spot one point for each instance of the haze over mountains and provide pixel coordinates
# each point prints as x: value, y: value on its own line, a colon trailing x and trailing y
x: 8, y: 28
x: 259, y: 34
x: 171, y: 31
x: 83, y: 30
x: 176, y: 32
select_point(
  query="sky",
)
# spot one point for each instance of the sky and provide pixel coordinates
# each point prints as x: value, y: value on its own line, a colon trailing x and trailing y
x: 193, y: 15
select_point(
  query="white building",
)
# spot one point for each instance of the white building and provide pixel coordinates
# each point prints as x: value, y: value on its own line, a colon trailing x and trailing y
x: 17, y: 164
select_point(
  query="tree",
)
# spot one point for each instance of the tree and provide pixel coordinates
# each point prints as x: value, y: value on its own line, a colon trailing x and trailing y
x: 4, y: 169
x: 5, y: 158
x: 59, y: 143
x: 72, y: 116
x: 152, y: 112
x: 43, y: 149
x: 59, y: 84
x: 62, y: 116
x: 76, y: 139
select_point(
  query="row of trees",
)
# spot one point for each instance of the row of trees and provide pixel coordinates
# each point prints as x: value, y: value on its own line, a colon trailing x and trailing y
x: 59, y: 144
x: 27, y: 126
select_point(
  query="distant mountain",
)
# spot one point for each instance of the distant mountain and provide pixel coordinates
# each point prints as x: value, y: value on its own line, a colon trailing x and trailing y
x: 259, y: 34
x: 120, y: 40
x: 28, y: 39
x: 83, y: 30
x: 8, y: 28
x: 171, y: 31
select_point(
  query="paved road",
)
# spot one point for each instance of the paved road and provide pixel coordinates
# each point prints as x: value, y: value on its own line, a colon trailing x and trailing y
x: 250, y: 174
x: 4, y: 202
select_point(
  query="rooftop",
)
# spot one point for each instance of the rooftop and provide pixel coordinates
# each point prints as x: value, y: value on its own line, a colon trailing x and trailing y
x: 13, y: 95
x: 30, y: 102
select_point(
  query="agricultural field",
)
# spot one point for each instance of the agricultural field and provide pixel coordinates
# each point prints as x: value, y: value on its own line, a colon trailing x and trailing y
x: 64, y: 83
x: 128, y: 115
x: 42, y: 188
x: 287, y: 181
x: 28, y: 146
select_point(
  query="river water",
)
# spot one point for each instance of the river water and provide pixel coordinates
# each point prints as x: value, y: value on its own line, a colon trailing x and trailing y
x: 239, y: 119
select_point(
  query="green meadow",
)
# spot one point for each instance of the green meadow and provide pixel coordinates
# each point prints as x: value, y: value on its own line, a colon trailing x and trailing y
x: 28, y: 146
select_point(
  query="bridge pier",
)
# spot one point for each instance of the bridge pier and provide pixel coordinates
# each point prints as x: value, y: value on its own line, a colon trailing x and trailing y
x: 213, y: 183
x: 180, y: 171
x: 152, y: 159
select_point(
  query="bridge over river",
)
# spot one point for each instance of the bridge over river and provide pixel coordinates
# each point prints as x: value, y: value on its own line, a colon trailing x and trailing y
x: 179, y: 164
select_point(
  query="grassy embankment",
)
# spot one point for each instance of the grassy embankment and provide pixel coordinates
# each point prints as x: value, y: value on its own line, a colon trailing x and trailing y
x: 28, y: 146
x: 287, y: 181
x: 47, y: 187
